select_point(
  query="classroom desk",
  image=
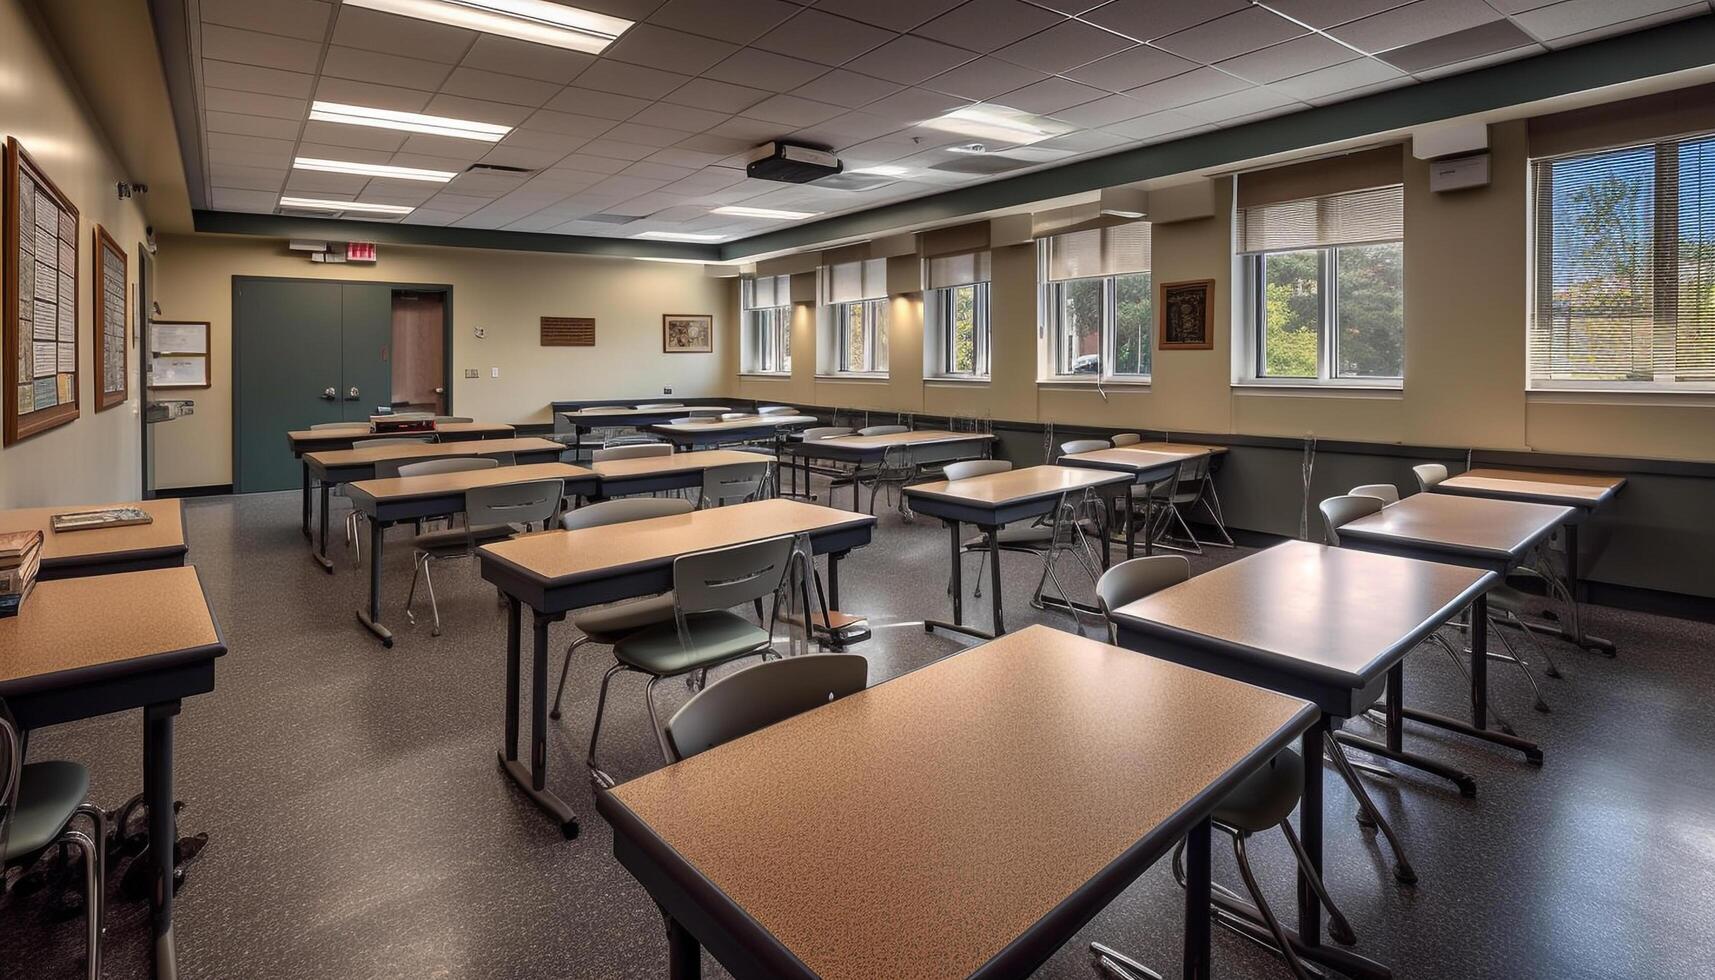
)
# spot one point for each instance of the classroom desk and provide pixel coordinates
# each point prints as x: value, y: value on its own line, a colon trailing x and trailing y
x: 995, y: 500
x: 963, y: 820
x: 334, y: 466
x: 715, y: 432
x: 93, y: 646
x: 558, y: 571
x: 913, y: 448
x: 584, y: 420
x: 651, y: 474
x: 1329, y: 625
x: 100, y: 551
x: 1583, y: 492
x: 1493, y: 535
x: 389, y: 502
x: 302, y: 441
x: 1147, y: 468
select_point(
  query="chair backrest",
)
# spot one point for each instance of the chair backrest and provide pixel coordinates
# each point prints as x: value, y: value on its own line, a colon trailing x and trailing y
x: 761, y: 695
x: 336, y: 425
x: 452, y: 418
x: 12, y: 768
x: 776, y: 410
x: 395, y: 441
x: 460, y: 464
x: 965, y: 469
x: 882, y: 430
x: 726, y: 577
x: 412, y: 416
x: 1083, y: 446
x: 1192, y: 473
x: 513, y: 503
x: 1429, y: 474
x: 708, y: 413
x: 736, y: 481
x: 388, y: 469
x: 1387, y: 493
x: 826, y: 432
x: 681, y: 420
x: 1126, y: 439
x: 1131, y: 580
x: 656, y: 405
x: 641, y: 450
x: 623, y: 511
x: 1337, y: 512
x: 630, y: 439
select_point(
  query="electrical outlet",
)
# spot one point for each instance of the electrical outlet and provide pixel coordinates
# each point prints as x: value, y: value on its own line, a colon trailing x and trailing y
x: 667, y: 390
x: 470, y: 372
x: 494, y: 372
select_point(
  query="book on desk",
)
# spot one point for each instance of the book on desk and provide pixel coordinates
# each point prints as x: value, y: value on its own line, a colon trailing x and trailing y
x: 20, y: 561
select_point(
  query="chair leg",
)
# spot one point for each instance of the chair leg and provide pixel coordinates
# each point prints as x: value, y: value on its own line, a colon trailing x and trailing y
x: 1338, y: 926
x: 1402, y: 869
x: 434, y: 607
x: 416, y: 573
x: 92, y: 884
x: 1120, y: 966
x: 655, y: 722
x: 1501, y: 720
x: 1285, y: 949
x: 1553, y: 669
x: 565, y: 668
x: 98, y: 817
x: 596, y: 775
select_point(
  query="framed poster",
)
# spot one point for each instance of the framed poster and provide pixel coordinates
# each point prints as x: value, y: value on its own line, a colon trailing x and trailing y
x: 1187, y: 315
x: 178, y: 354
x: 110, y: 353
x: 688, y: 333
x: 38, y: 324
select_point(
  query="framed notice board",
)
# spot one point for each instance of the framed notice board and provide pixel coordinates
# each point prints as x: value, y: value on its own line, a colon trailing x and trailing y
x: 39, y: 321
x: 110, y: 349
x: 178, y: 354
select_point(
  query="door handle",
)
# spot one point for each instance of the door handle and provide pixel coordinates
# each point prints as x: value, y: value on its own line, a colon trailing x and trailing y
x: 328, y: 394
x: 351, y: 395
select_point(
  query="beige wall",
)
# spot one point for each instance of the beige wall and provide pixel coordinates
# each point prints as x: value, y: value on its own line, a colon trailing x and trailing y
x: 504, y: 293
x: 95, y: 458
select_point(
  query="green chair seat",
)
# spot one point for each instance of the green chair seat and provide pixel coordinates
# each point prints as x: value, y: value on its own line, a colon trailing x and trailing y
x: 609, y: 624
x: 714, y: 638
x: 455, y: 539
x: 49, y: 793
x: 1266, y: 797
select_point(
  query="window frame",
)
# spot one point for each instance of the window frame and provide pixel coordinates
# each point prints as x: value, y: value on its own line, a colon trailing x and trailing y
x: 1050, y: 302
x: 1250, y: 347
x: 939, y: 304
x: 874, y: 327
x: 764, y: 329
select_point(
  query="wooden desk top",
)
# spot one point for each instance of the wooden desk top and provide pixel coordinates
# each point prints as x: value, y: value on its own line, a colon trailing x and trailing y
x: 166, y: 533
x: 1164, y: 447
x: 440, y: 484
x: 102, y: 622
x: 628, y: 412
x: 359, y: 430
x: 1456, y: 525
x: 918, y: 828
x: 368, y: 455
x: 722, y: 425
x: 1334, y: 613
x: 1131, y: 458
x: 676, y: 463
x: 565, y: 557
x: 1587, y: 490
x: 1015, y: 485
x: 916, y: 437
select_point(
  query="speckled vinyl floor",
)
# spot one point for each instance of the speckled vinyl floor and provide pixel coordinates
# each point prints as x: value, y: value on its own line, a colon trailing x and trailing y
x: 359, y: 827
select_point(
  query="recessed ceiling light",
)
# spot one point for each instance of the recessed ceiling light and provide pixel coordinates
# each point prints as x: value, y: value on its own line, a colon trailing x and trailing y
x: 316, y: 204
x: 373, y: 170
x: 885, y: 170
x: 968, y: 148
x: 410, y: 122
x: 678, y: 236
x: 537, y: 21
x: 999, y: 123
x: 744, y: 212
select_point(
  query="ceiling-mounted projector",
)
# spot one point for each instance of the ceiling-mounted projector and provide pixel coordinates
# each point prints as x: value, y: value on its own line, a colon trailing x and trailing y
x: 790, y: 163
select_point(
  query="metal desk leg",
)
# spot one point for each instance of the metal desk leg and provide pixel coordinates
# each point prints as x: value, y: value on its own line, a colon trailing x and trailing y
x: 1573, y: 632
x: 321, y: 552
x: 372, y: 618
x: 684, y: 955
x: 510, y: 753
x: 834, y: 560
x: 1478, y: 726
x: 533, y: 781
x: 1480, y: 663
x: 304, y: 464
x: 1310, y: 831
x: 1130, y: 526
x: 993, y: 534
x: 163, y: 831
x: 1394, y: 747
x: 958, y: 590
x: 1197, y: 889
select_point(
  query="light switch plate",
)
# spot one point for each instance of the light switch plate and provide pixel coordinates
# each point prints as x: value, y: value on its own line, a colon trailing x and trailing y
x: 470, y: 372
x: 494, y: 372
x: 667, y: 390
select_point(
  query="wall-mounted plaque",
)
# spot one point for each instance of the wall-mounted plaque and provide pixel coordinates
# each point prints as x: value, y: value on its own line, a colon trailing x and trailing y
x: 568, y: 331
x: 38, y: 323
x: 1187, y: 315
x: 110, y: 353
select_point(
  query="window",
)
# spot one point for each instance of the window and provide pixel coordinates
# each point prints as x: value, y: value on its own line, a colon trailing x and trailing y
x: 1324, y: 288
x: 956, y: 307
x: 1623, y: 273
x: 767, y: 341
x: 855, y: 317
x: 1097, y: 303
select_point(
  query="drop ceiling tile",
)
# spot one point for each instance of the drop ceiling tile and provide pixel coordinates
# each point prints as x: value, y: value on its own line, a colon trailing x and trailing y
x: 717, y: 147
x: 987, y: 25
x: 656, y: 136
x: 468, y: 151
x: 1073, y: 7
x: 271, y: 159
x: 348, y: 92
x: 843, y: 131
x: 723, y: 97
x: 247, y: 178
x: 255, y: 48
x: 589, y: 102
x: 738, y: 21
x: 483, y: 184
x: 423, y: 216
x: 313, y: 182
x: 1461, y: 46
x: 1193, y: 86
x: 307, y: 19
x: 877, y: 151
x: 538, y: 61
x: 1245, y: 103
x: 982, y: 79
x: 649, y: 45
x: 706, y: 180
x: 425, y: 161
x: 1152, y: 125
x: 232, y: 199
x: 616, y: 149
x: 363, y: 137
x: 765, y: 70
x: 384, y: 69
x: 824, y: 38
x: 678, y: 156
x: 567, y: 181
x: 657, y: 171
x: 1332, y: 13
x: 1130, y: 68
x: 1578, y: 16
x: 254, y: 144
x: 232, y: 122
x: 1483, y: 61
x: 1085, y: 142
x: 567, y: 123
x: 847, y: 88
x: 1146, y: 20
x: 411, y: 192
x: 1232, y: 35
x: 479, y: 110
x: 1104, y: 111
x: 455, y: 203
x: 535, y: 222
x: 1069, y: 45
x: 591, y: 163
x: 250, y: 78
x: 913, y: 105
x: 1295, y: 57
x: 518, y: 156
x: 909, y: 60
x: 751, y: 131
x: 685, y: 119
x: 629, y: 186
x: 792, y: 111
x: 634, y: 80
x: 478, y: 84
x: 1626, y: 27
x: 895, y: 15
x: 1414, y: 22
x: 408, y: 36
x: 1340, y: 78
x: 1049, y: 95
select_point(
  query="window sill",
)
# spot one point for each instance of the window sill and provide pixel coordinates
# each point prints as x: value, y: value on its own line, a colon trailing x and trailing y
x: 955, y: 380
x: 1074, y: 384
x: 1697, y: 398
x: 764, y: 375
x: 854, y: 378
x: 1318, y: 391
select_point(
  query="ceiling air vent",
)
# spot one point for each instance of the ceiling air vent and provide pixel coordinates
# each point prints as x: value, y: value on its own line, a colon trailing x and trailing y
x: 495, y: 168
x: 988, y: 163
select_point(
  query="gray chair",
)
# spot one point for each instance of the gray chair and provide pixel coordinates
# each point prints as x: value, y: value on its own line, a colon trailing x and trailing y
x: 639, y: 450
x: 491, y: 514
x: 761, y: 695
x: 735, y: 481
x: 1387, y: 493
x: 891, y: 470
x: 386, y: 469
x: 1340, y: 511
x: 704, y: 632
x: 38, y: 803
x: 1429, y: 474
x: 1132, y: 580
x: 458, y: 464
x: 1179, y: 497
x: 1076, y: 446
x: 1126, y: 439
x: 1036, y: 538
x: 820, y: 432
x: 607, y: 624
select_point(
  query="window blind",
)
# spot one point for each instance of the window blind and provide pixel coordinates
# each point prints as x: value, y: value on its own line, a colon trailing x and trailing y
x: 956, y: 270
x: 848, y: 282
x: 1623, y: 268
x: 767, y: 292
x: 1376, y: 214
x: 1113, y: 251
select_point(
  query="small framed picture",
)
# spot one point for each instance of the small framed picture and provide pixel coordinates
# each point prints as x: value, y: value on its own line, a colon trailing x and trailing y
x: 688, y: 333
x: 1187, y: 315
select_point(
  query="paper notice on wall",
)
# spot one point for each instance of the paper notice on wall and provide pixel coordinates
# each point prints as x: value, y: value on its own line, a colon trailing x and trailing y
x: 26, y: 398
x: 68, y: 230
x: 68, y: 322
x: 46, y: 320
x: 47, y: 213
x: 47, y: 361
x: 68, y: 357
x: 67, y: 389
x: 47, y: 392
x: 47, y: 252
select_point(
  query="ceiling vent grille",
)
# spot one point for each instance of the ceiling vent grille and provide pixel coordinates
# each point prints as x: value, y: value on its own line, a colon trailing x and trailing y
x: 495, y: 168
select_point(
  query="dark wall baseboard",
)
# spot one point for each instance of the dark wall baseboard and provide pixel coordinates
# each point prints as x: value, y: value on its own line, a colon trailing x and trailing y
x: 213, y: 490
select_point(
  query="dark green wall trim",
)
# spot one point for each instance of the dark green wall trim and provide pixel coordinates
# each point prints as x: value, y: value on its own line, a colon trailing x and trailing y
x: 289, y: 226
x: 1658, y: 51
x: 213, y: 490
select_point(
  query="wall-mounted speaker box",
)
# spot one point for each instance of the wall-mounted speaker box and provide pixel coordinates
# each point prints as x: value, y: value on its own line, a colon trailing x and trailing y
x: 1459, y: 173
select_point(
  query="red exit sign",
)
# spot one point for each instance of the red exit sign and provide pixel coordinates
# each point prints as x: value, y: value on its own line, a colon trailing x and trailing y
x: 360, y: 252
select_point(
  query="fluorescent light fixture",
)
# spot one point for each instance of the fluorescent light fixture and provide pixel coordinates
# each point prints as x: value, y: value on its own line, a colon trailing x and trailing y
x: 678, y: 236
x: 744, y: 212
x: 317, y: 204
x: 972, y: 148
x: 885, y: 170
x: 537, y: 21
x: 410, y: 122
x: 373, y: 170
x: 1000, y: 123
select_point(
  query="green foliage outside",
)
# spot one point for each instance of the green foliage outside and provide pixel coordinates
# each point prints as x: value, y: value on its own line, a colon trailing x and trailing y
x: 1369, y: 298
x: 964, y: 331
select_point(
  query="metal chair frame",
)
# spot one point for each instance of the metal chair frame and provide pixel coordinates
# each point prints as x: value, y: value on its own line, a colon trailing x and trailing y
x: 505, y: 504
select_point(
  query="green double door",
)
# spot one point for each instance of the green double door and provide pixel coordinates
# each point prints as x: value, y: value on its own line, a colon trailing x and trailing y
x: 306, y: 351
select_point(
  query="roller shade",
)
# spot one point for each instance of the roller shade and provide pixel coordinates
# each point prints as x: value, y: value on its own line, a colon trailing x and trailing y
x: 1351, y: 218
x: 1118, y: 250
x: 767, y: 292
x: 848, y: 282
x: 956, y: 270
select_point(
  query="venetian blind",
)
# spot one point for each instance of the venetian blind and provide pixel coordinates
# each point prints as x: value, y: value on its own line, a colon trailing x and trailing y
x: 1112, y: 251
x: 944, y: 271
x: 1376, y: 214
